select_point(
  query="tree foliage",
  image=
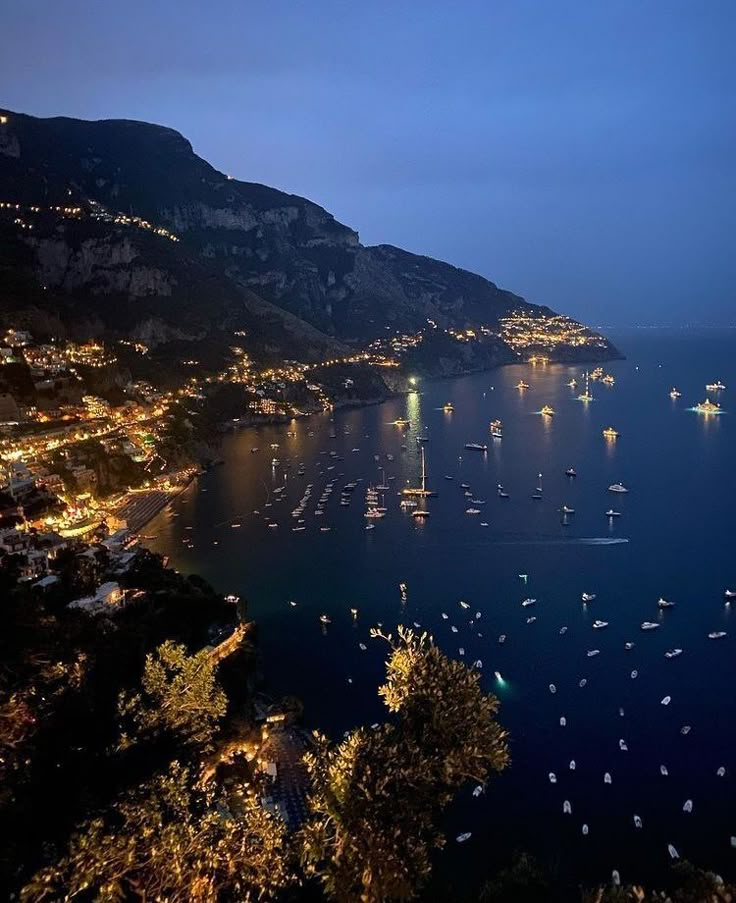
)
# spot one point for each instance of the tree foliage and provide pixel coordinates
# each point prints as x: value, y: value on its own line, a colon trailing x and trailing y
x: 172, y: 841
x: 375, y: 797
x: 180, y: 694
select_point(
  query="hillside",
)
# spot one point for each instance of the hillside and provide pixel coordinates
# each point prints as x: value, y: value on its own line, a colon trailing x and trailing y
x: 119, y: 227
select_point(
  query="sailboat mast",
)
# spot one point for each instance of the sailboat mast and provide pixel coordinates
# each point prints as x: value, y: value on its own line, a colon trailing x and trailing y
x: 424, y: 475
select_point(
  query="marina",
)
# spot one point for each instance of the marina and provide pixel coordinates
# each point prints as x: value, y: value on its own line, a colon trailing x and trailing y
x: 656, y: 591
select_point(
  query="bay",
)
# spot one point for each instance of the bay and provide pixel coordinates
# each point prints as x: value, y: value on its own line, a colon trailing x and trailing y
x: 674, y: 539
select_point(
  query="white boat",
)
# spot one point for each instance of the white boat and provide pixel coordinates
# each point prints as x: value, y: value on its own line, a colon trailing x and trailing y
x: 715, y: 387
x: 567, y: 808
x: 617, y: 487
x: 688, y: 806
x: 593, y: 652
x: 566, y: 510
x: 622, y: 746
x: 663, y: 771
x: 629, y: 646
x: 649, y: 625
x: 674, y: 393
x: 599, y: 625
x: 663, y: 603
x: 672, y: 851
x: 717, y: 635
x: 325, y: 619
x: 729, y: 593
x: 588, y: 597
x: 502, y: 639
x: 461, y: 838
x: 607, y: 779
x: 637, y: 822
x: 666, y: 701
x: 685, y: 730
x: 527, y: 602
x: 673, y: 653
x: 612, y: 513
x: 476, y: 446
x: 472, y: 510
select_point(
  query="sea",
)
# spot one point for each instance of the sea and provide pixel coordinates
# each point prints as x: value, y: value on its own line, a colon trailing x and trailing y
x: 573, y: 717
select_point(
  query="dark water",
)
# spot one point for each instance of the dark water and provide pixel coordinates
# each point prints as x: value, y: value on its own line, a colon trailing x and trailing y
x: 675, y: 539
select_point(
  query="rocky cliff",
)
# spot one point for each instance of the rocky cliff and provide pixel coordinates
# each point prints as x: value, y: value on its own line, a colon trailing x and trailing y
x: 120, y: 223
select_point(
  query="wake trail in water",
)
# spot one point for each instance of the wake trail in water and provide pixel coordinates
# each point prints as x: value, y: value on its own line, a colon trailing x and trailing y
x: 584, y: 541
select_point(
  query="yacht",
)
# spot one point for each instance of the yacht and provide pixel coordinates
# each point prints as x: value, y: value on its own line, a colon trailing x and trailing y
x: 715, y: 387
x: 617, y: 487
x: 422, y: 490
x: 547, y: 411
x: 673, y: 653
x: 612, y: 513
x: 663, y: 603
x: 496, y: 429
x: 649, y: 625
x: 674, y: 393
x: 729, y: 593
x: 420, y: 513
x: 599, y: 625
x: 472, y: 510
x: 570, y: 472
x: 407, y: 503
x: 522, y: 385
x: 717, y: 635
x: 588, y: 597
x: 448, y: 407
x: 586, y: 395
x: 573, y: 384
x: 608, y: 379
x: 707, y: 407
x: 610, y: 433
x: 402, y: 423
x: 476, y: 446
x: 597, y: 373
x: 527, y: 602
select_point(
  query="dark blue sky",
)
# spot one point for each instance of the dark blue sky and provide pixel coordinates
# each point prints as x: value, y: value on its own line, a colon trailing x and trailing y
x: 580, y: 153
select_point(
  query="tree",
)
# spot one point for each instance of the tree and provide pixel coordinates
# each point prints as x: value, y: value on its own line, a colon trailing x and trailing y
x: 375, y: 796
x: 180, y: 695
x: 172, y: 841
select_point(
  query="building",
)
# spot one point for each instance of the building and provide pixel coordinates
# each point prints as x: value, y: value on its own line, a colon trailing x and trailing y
x: 107, y: 599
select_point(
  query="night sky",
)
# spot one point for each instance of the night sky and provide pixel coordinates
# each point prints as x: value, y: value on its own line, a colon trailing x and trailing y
x: 580, y: 153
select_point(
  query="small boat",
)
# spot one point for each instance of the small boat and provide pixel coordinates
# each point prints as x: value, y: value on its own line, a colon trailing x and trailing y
x: 649, y: 625
x: 472, y: 510
x: 617, y: 487
x: 610, y: 433
x: 673, y: 653
x: 408, y: 503
x: 461, y: 838
x: 570, y: 472
x: 254, y: 450
x: 612, y: 513
x: 325, y: 619
x: 547, y: 411
x: 715, y: 387
x: 688, y: 806
x: 608, y: 379
x: 707, y: 407
x: 637, y: 822
x: 566, y: 510
x: 593, y: 652
x: 420, y: 513
x: 522, y: 385
x: 402, y: 423
x: 588, y: 597
x: 674, y: 393
x: 729, y: 593
x: 685, y: 730
x: 527, y: 602
x: 496, y: 429
x: 599, y: 625
x: 663, y: 603
x: 567, y: 808
x: 448, y: 477
x: 448, y: 407
x: 573, y: 384
x: 666, y: 701
x: 502, y: 639
x: 476, y: 446
x: 622, y: 746
x: 717, y: 635
x: 663, y: 770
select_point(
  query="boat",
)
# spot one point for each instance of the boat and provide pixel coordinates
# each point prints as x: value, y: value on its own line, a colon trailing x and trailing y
x: 502, y: 639
x: 629, y: 646
x: 420, y: 491
x: 408, y: 503
x: 325, y: 619
x: 717, y: 635
x: 707, y: 407
x: 588, y: 597
x: 527, y: 602
x: 448, y: 407
x: 420, y: 513
x: 370, y: 526
x: 597, y: 373
x: 715, y: 387
x: 610, y: 433
x: 374, y: 514
x: 496, y: 428
x: 522, y: 385
x: 502, y: 494
x: 274, y: 462
x: 472, y: 510
x: 465, y: 485
x: 547, y: 411
x: 673, y: 653
x: 649, y: 625
x: 674, y: 393
x: 573, y: 384
x: 593, y: 652
x: 254, y: 450
x: 570, y: 472
x: 664, y: 603
x: 476, y: 446
x: 567, y: 510
x: 586, y: 395
x: 537, y: 494
x: 729, y: 593
x: 617, y: 487
x: 402, y: 423
x: 599, y: 625
x: 448, y: 477
x: 608, y: 379
x: 612, y: 513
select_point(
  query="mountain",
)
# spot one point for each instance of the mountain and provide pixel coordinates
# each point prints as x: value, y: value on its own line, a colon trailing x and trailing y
x: 118, y: 227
